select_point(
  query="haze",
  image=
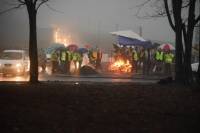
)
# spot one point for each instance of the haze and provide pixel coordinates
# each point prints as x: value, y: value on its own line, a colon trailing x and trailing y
x: 87, y: 21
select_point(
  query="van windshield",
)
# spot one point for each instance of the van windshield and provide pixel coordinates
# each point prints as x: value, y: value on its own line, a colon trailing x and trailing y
x: 11, y: 55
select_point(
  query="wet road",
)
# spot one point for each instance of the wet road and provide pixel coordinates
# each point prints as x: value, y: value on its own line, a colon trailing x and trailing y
x: 46, y: 77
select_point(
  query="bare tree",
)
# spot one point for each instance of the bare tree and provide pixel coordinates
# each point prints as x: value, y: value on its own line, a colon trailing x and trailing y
x: 32, y: 7
x: 182, y: 19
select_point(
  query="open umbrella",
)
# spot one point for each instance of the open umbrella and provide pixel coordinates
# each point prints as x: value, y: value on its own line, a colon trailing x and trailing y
x: 54, y: 47
x: 129, y: 34
x: 72, y: 47
x: 82, y: 50
x: 167, y: 46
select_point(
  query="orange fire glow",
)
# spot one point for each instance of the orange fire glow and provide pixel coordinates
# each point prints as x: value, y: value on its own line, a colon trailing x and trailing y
x: 60, y: 37
x: 121, y: 66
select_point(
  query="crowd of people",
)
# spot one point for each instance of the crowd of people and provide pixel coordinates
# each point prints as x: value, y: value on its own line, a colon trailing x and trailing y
x: 62, y: 59
x: 147, y: 61
x: 143, y: 60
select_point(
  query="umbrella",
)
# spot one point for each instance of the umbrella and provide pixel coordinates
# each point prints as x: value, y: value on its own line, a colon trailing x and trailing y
x: 125, y: 41
x: 167, y: 46
x: 88, y: 46
x: 82, y: 50
x: 129, y: 34
x: 72, y: 47
x: 54, y: 47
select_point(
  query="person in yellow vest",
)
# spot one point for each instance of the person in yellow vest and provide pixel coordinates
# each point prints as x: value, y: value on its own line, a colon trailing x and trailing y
x: 54, y: 61
x: 63, y: 58
x: 68, y: 61
x: 168, y: 60
x: 134, y: 60
x: 141, y: 58
x: 159, y: 58
x: 92, y: 56
x: 75, y: 59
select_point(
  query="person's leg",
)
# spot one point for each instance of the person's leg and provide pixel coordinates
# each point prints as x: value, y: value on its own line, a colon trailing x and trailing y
x: 64, y: 67
x: 169, y: 69
x: 68, y: 67
x: 144, y: 67
x: 75, y: 66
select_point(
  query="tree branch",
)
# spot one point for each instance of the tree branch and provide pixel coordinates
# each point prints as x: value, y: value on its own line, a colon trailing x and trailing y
x: 21, y: 1
x: 12, y: 8
x: 51, y: 8
x: 168, y: 14
x: 41, y: 3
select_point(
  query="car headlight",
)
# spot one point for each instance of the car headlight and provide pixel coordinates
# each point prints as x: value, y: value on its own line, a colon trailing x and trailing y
x: 18, y: 65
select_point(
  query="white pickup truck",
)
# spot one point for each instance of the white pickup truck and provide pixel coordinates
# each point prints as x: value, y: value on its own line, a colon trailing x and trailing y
x: 14, y: 62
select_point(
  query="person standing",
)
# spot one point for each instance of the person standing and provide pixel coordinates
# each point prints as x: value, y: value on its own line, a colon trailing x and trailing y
x: 63, y: 58
x: 147, y: 62
x: 80, y: 60
x: 159, y: 55
x: 168, y: 60
x: 142, y: 59
x: 134, y: 60
x: 68, y: 61
x: 54, y: 61
x: 75, y: 59
x: 98, y: 60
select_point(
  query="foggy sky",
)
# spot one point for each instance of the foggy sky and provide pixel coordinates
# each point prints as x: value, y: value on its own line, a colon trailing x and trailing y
x: 85, y: 20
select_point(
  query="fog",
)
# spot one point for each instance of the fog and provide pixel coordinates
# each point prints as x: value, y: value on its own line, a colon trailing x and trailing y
x: 87, y: 21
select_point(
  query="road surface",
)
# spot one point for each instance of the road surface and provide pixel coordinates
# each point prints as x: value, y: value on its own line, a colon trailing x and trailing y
x: 46, y: 77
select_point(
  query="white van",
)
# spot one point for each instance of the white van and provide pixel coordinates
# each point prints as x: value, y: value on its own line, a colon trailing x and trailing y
x: 14, y: 62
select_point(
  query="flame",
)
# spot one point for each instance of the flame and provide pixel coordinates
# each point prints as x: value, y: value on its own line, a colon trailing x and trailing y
x: 60, y: 37
x: 121, y: 65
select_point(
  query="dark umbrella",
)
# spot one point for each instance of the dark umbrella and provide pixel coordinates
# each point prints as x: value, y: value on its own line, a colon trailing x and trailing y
x: 82, y: 50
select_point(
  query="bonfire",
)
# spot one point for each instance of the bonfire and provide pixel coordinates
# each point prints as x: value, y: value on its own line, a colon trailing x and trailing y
x: 121, y: 66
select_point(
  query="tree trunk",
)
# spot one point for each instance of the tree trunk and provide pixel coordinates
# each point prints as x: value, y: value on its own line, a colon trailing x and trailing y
x: 33, y: 45
x: 188, y: 43
x: 176, y: 5
x: 179, y: 75
x: 187, y: 65
x: 199, y: 57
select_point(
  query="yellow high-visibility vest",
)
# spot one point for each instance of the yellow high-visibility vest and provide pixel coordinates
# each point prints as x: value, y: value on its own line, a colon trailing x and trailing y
x: 169, y: 58
x: 63, y: 56
x: 69, y: 56
x: 54, y: 56
x: 135, y: 56
x: 159, y: 56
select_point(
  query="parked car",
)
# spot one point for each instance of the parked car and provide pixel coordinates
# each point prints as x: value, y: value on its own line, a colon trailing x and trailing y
x: 14, y: 62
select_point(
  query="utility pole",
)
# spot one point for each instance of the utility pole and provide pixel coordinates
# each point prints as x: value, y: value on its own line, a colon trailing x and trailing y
x: 140, y: 31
